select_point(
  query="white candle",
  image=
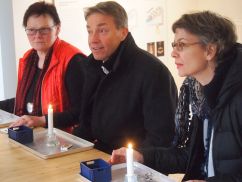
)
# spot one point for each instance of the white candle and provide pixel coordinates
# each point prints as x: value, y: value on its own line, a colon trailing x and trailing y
x: 50, y: 120
x: 129, y: 160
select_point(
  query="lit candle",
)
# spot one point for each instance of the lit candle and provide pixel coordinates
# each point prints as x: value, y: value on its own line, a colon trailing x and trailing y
x: 129, y: 160
x: 50, y: 120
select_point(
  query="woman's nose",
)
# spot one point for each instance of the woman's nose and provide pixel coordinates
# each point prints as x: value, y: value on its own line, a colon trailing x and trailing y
x: 174, y: 53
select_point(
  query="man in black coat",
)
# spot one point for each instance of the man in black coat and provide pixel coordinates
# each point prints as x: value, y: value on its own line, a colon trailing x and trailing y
x: 129, y: 95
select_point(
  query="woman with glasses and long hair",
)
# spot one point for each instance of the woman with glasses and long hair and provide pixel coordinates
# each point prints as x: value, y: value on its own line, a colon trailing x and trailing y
x: 208, y: 141
x: 49, y: 73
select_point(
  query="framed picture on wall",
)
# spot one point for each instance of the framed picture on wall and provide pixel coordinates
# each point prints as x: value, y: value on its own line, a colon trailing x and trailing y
x: 151, y: 47
x: 160, y: 48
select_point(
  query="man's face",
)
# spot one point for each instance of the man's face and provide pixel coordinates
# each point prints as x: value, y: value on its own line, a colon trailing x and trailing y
x: 103, y: 35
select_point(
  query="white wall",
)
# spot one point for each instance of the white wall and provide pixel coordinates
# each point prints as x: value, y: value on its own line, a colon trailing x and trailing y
x: 1, y: 75
x: 7, y: 53
x: 21, y: 40
x: 228, y: 8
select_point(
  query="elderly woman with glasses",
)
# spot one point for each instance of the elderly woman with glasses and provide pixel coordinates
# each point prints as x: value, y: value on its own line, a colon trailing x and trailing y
x: 208, y: 141
x: 49, y: 73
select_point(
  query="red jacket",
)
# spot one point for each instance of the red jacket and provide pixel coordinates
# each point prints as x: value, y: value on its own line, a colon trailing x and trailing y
x: 53, y: 89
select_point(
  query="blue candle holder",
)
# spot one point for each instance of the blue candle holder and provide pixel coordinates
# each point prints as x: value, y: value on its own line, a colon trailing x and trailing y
x: 96, y: 170
x: 21, y: 134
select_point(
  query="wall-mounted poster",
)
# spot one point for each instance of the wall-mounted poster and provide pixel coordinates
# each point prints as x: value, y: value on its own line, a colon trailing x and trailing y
x: 160, y: 48
x: 151, y: 47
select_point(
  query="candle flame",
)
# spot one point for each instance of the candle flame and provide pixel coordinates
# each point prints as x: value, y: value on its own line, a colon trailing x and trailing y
x: 50, y: 106
x: 130, y: 146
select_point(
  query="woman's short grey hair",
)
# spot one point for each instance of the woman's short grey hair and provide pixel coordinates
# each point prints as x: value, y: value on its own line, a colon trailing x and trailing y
x: 110, y: 8
x: 210, y: 28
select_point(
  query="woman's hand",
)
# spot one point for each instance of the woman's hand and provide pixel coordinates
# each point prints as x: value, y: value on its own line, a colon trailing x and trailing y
x: 119, y: 156
x: 30, y: 121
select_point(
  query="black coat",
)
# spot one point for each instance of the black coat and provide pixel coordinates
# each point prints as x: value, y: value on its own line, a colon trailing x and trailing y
x: 227, y: 141
x: 135, y: 102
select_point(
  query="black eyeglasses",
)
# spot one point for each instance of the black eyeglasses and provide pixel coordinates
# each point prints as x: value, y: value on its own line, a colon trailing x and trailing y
x: 180, y: 45
x: 42, y: 31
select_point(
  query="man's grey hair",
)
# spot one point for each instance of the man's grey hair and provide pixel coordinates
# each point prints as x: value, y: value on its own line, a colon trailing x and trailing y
x: 110, y: 8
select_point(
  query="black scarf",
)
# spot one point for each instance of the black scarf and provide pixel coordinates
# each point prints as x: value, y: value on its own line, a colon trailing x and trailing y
x: 190, y: 94
x: 27, y: 79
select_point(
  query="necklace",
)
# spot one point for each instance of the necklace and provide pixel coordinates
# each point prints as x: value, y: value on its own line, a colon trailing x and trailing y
x: 30, y: 107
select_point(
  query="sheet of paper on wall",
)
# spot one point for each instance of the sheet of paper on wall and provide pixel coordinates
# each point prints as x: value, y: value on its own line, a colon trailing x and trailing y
x: 6, y: 118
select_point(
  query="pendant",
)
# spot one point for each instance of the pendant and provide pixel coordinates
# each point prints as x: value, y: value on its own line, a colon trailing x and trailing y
x: 30, y: 107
